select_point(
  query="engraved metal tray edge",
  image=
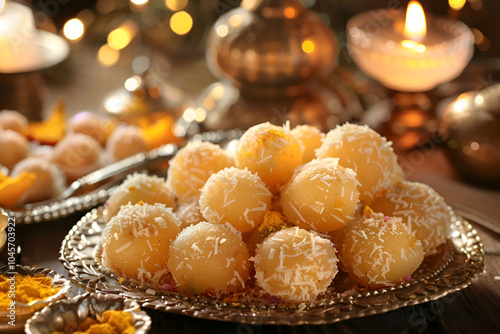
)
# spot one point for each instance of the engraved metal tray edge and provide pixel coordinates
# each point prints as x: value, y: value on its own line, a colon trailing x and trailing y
x: 466, y: 264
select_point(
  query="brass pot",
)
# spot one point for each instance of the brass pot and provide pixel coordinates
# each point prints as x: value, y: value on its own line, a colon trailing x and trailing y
x: 470, y: 125
x: 269, y: 48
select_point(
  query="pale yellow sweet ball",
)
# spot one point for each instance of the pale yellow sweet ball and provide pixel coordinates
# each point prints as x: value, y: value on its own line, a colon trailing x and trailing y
x: 271, y: 152
x: 337, y: 236
x: 209, y: 258
x: 311, y: 139
x: 14, y: 147
x: 192, y: 166
x: 77, y: 155
x: 322, y: 195
x: 139, y: 187
x: 13, y: 120
x: 295, y: 265
x: 90, y: 124
x: 422, y: 209
x: 189, y: 213
x: 380, y: 252
x: 136, y: 242
x: 125, y: 141
x: 366, y: 152
x: 49, y: 182
x: 236, y: 196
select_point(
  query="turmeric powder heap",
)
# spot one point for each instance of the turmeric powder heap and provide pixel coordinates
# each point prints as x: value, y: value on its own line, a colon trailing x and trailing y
x: 112, y: 322
x: 25, y: 289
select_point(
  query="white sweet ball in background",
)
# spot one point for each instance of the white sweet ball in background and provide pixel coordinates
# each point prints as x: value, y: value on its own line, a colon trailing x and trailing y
x: 14, y: 148
x: 125, y: 141
x: 49, y: 182
x: 77, y: 155
x: 13, y: 120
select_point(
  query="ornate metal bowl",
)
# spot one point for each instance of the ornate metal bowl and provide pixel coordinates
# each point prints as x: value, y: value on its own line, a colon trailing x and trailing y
x: 69, y: 312
x: 23, y: 311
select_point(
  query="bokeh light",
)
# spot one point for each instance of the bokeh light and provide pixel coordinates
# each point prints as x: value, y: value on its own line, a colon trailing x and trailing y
x: 122, y: 36
x: 133, y: 83
x: 222, y: 30
x: 235, y: 20
x: 139, y: 2
x: 307, y: 46
x: 73, y: 29
x: 289, y: 12
x: 457, y: 4
x: 181, y: 23
x: 107, y: 56
x: 176, y: 5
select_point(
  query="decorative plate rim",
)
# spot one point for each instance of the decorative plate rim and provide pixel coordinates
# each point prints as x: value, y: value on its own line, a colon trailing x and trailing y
x: 464, y: 265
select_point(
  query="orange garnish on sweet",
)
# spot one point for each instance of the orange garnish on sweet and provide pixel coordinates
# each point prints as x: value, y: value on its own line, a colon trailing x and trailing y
x: 11, y: 189
x: 158, y: 131
x: 51, y: 130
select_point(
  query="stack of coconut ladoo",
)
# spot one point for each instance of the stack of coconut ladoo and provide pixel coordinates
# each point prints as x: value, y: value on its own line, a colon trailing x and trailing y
x: 279, y: 214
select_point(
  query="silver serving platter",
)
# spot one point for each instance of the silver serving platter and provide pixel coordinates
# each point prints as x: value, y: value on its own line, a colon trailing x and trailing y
x: 97, y: 186
x: 456, y: 265
x: 68, y: 312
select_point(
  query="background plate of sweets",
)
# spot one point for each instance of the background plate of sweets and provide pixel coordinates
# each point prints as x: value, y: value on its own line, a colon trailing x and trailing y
x: 41, y: 159
x: 457, y: 263
x: 96, y: 193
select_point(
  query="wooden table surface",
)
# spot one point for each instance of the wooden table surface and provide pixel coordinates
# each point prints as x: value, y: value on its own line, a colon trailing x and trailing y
x: 475, y: 309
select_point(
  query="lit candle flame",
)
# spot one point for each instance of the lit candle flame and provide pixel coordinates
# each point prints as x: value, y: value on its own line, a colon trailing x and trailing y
x: 2, y: 5
x: 415, y: 26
